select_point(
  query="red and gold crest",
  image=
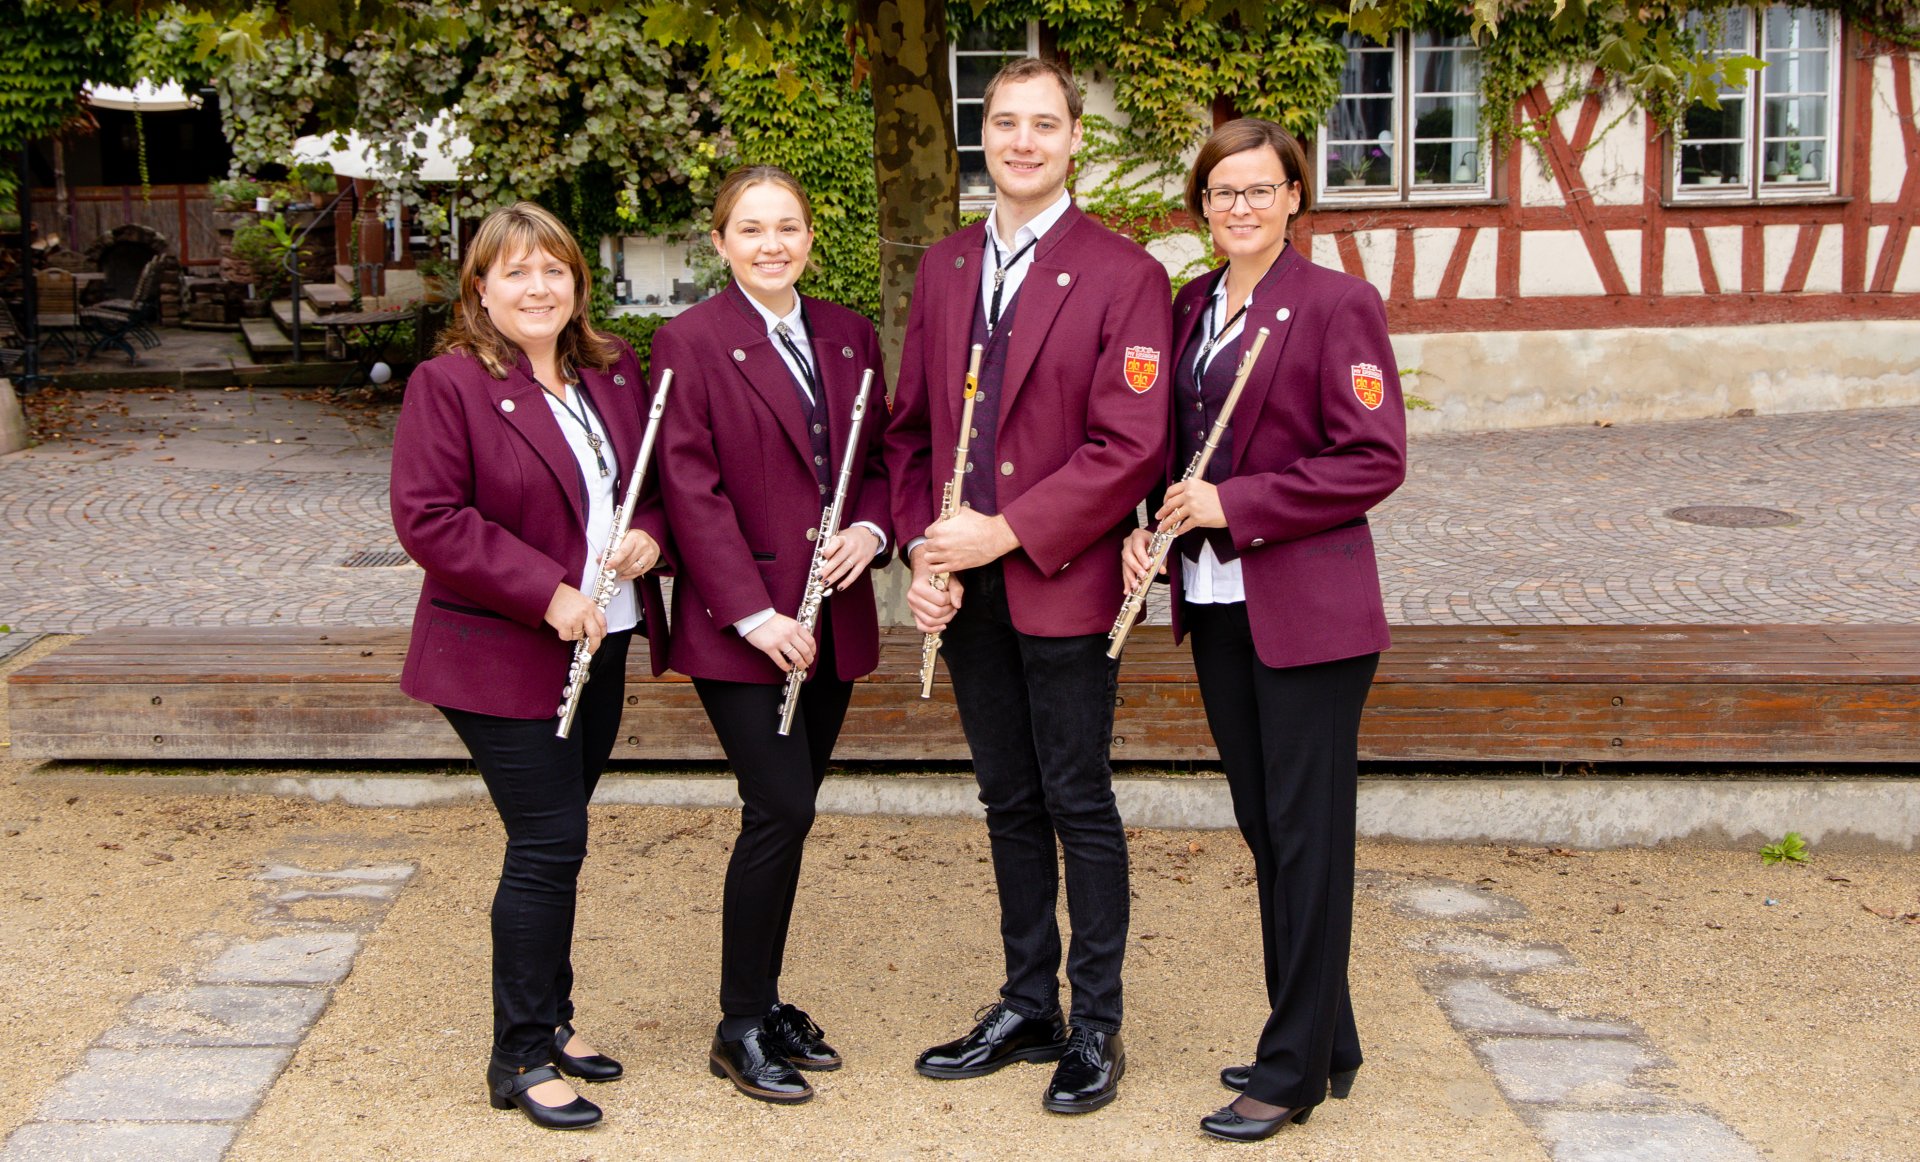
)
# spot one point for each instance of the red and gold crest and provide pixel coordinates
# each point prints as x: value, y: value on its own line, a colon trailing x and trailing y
x: 1143, y: 368
x: 1369, y: 386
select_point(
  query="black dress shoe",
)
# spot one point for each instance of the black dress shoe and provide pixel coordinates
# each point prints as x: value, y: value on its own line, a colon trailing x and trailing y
x: 507, y: 1088
x: 1089, y: 1073
x: 1001, y: 1037
x: 793, y: 1035
x: 1238, y: 1077
x: 1234, y: 1127
x: 592, y: 1067
x: 757, y: 1069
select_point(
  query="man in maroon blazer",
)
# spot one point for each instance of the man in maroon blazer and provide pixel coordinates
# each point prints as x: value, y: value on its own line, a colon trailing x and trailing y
x: 1069, y: 429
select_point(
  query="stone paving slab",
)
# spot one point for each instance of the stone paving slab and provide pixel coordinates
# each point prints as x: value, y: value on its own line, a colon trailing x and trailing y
x: 186, y: 512
x: 1618, y: 1136
x: 210, y: 1015
x: 1557, y: 1070
x: 13, y: 643
x: 166, y: 1084
x: 308, y: 958
x: 1477, y: 1006
x: 118, y: 1142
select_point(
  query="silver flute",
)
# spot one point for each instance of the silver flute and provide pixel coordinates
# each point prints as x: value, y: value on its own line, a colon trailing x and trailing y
x: 829, y: 528
x: 1164, y: 536
x: 949, y: 505
x: 608, y: 581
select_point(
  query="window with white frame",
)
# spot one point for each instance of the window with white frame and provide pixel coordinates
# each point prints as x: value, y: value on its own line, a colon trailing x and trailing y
x: 976, y: 53
x: 1773, y: 137
x: 1407, y: 124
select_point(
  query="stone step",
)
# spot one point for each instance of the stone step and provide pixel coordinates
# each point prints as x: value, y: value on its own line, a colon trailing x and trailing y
x: 266, y: 341
x: 328, y: 297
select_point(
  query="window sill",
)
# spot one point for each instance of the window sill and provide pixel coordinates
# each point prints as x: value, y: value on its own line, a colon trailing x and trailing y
x: 1749, y: 202
x: 1451, y: 201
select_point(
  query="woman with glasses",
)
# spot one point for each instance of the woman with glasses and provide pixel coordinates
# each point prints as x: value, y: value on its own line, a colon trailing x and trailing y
x: 1274, y: 578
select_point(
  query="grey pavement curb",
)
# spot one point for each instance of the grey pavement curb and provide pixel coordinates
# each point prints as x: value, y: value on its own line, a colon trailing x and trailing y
x: 1837, y: 814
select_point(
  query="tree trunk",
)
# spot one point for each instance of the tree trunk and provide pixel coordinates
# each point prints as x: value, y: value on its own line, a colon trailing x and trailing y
x: 905, y: 43
x: 918, y: 172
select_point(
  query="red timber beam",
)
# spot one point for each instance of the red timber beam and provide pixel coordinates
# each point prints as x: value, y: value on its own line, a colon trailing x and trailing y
x: 1600, y: 312
x: 1653, y: 212
x: 1456, y: 270
x: 1857, y: 231
x: 1565, y: 159
x: 1895, y: 249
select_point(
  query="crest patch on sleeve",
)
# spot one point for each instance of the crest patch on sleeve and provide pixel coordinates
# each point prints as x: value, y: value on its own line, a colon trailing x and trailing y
x: 1369, y: 386
x: 1142, y: 369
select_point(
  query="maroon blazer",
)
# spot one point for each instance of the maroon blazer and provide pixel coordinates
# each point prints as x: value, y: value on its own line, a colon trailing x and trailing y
x: 737, y: 474
x: 1319, y: 437
x: 487, y: 497
x: 1083, y: 418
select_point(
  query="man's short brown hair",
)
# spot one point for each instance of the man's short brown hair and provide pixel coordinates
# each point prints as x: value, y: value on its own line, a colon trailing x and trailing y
x: 1026, y: 69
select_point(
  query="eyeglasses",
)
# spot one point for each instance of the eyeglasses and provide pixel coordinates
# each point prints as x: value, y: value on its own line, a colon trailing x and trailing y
x: 1220, y: 199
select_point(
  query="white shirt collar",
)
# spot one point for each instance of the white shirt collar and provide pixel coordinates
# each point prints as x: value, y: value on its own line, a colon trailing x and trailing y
x: 794, y: 319
x: 1042, y: 222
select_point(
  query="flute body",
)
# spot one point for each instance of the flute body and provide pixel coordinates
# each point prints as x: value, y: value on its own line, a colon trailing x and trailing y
x: 606, y: 582
x: 949, y: 505
x: 816, y: 592
x: 1164, y: 537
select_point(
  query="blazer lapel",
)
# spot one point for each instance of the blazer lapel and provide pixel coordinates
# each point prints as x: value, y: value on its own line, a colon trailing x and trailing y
x: 610, y: 403
x: 839, y: 369
x: 523, y: 401
x: 765, y: 372
x: 962, y: 289
x: 1192, y: 314
x: 1274, y: 308
x: 1042, y: 292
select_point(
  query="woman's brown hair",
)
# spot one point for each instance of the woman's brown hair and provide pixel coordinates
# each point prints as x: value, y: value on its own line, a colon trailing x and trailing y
x: 1238, y: 137
x: 507, y: 234
x: 740, y: 180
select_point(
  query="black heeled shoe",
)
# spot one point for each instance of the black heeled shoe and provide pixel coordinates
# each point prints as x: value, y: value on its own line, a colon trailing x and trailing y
x: 1238, y: 1077
x: 592, y: 1067
x: 1225, y: 1123
x: 507, y: 1088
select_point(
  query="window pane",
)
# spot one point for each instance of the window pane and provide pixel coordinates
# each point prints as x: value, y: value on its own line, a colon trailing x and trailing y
x: 1361, y: 119
x: 1796, y: 28
x: 968, y: 37
x: 1367, y: 71
x: 1796, y: 161
x: 971, y: 74
x: 1446, y: 163
x: 974, y: 181
x: 967, y: 120
x: 1796, y: 117
x: 1795, y: 72
x: 1723, y: 32
x: 1446, y: 117
x: 1727, y: 123
x: 1713, y: 164
x: 1446, y: 72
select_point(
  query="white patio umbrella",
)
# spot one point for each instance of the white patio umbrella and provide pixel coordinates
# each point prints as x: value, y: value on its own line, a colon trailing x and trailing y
x: 144, y: 97
x: 436, y: 161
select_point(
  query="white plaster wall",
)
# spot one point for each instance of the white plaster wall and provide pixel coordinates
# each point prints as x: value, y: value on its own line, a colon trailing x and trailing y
x: 1556, y: 262
x: 1723, y: 246
x: 1613, y: 165
x: 1625, y: 245
x: 1537, y: 187
x: 1431, y: 251
x: 1097, y: 89
x: 1326, y: 252
x: 1908, y: 280
x: 1876, y: 241
x: 1377, y: 249
x: 1184, y: 255
x: 1680, y: 267
x: 1823, y: 277
x: 1778, y: 250
x: 1889, y: 166
x: 1481, y: 279
x: 1524, y: 379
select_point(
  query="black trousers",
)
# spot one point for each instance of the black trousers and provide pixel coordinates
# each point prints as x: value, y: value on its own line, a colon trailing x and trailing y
x: 778, y: 780
x: 1038, y: 715
x: 1289, y: 741
x: 541, y: 784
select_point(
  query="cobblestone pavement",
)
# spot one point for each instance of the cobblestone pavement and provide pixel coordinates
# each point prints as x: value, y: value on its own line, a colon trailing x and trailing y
x: 228, y: 508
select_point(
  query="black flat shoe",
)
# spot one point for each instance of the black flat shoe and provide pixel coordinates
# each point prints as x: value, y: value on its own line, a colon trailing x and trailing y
x: 756, y: 1069
x: 1001, y: 1037
x: 507, y: 1089
x: 793, y: 1035
x: 1235, y: 1127
x: 1238, y: 1077
x: 592, y: 1067
x: 1089, y: 1073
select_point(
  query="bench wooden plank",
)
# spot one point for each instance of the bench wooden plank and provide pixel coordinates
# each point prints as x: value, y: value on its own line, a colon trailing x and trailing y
x: 1824, y: 694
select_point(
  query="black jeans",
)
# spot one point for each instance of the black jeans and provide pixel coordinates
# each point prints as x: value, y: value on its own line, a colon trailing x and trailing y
x: 1038, y: 715
x: 778, y: 780
x: 541, y: 784
x: 1289, y: 742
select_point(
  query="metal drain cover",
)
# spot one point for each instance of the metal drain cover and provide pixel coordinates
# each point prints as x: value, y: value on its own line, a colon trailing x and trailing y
x: 1732, y: 516
x: 369, y: 559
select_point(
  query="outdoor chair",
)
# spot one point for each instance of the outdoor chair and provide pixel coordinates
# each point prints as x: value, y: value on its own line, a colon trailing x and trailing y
x: 114, y: 320
x: 13, y: 343
x: 58, y: 307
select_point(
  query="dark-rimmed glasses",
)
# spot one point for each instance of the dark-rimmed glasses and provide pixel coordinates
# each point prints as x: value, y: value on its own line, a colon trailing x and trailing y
x: 1260, y: 196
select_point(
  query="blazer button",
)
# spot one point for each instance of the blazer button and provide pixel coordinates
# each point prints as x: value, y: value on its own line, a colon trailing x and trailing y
x: 812, y: 533
x: 819, y: 459
x: 959, y: 262
x: 739, y: 356
x: 979, y: 397
x: 847, y: 352
x: 619, y: 381
x: 1006, y: 468
x: 506, y: 405
x: 1283, y: 314
x: 969, y: 465
x: 1257, y: 542
x: 818, y: 428
x: 973, y: 433
x: 1064, y: 278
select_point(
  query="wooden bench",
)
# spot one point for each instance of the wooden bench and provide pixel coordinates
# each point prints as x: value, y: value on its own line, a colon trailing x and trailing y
x: 1723, y: 694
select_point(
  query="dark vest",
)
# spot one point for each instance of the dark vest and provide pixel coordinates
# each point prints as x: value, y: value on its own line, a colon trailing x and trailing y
x: 815, y: 411
x: 979, y: 489
x: 1197, y: 401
